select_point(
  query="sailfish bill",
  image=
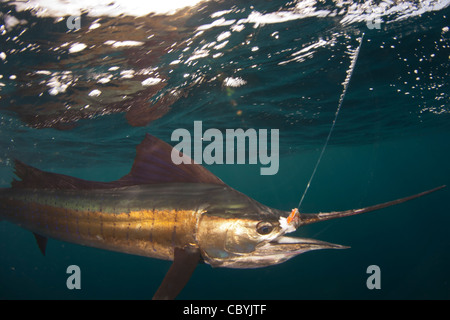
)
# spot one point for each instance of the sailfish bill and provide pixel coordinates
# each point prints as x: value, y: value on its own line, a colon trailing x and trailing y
x: 307, y: 218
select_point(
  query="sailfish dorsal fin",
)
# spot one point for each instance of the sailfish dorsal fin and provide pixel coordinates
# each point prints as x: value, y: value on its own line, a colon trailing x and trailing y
x: 153, y: 164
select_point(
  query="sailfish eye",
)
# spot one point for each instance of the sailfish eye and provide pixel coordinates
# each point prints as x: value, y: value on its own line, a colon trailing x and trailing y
x: 264, y: 227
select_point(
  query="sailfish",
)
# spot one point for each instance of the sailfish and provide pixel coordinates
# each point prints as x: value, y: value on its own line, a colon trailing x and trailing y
x: 182, y: 213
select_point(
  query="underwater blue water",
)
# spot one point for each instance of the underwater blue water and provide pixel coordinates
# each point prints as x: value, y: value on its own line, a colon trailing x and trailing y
x: 70, y: 99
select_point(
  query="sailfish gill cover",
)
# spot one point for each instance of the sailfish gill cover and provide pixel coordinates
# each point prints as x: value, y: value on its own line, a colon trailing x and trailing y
x: 78, y: 96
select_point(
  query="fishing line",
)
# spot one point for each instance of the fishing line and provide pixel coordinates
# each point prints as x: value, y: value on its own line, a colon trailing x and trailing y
x: 346, y: 82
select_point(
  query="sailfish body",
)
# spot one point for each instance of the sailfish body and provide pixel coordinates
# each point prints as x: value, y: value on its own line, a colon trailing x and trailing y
x: 161, y: 210
x: 148, y: 220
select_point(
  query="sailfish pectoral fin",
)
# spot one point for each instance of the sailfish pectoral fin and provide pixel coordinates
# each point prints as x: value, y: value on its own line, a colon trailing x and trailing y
x: 184, y: 263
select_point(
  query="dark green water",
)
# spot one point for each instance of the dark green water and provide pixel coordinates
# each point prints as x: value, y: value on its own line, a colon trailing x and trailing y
x: 391, y: 138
